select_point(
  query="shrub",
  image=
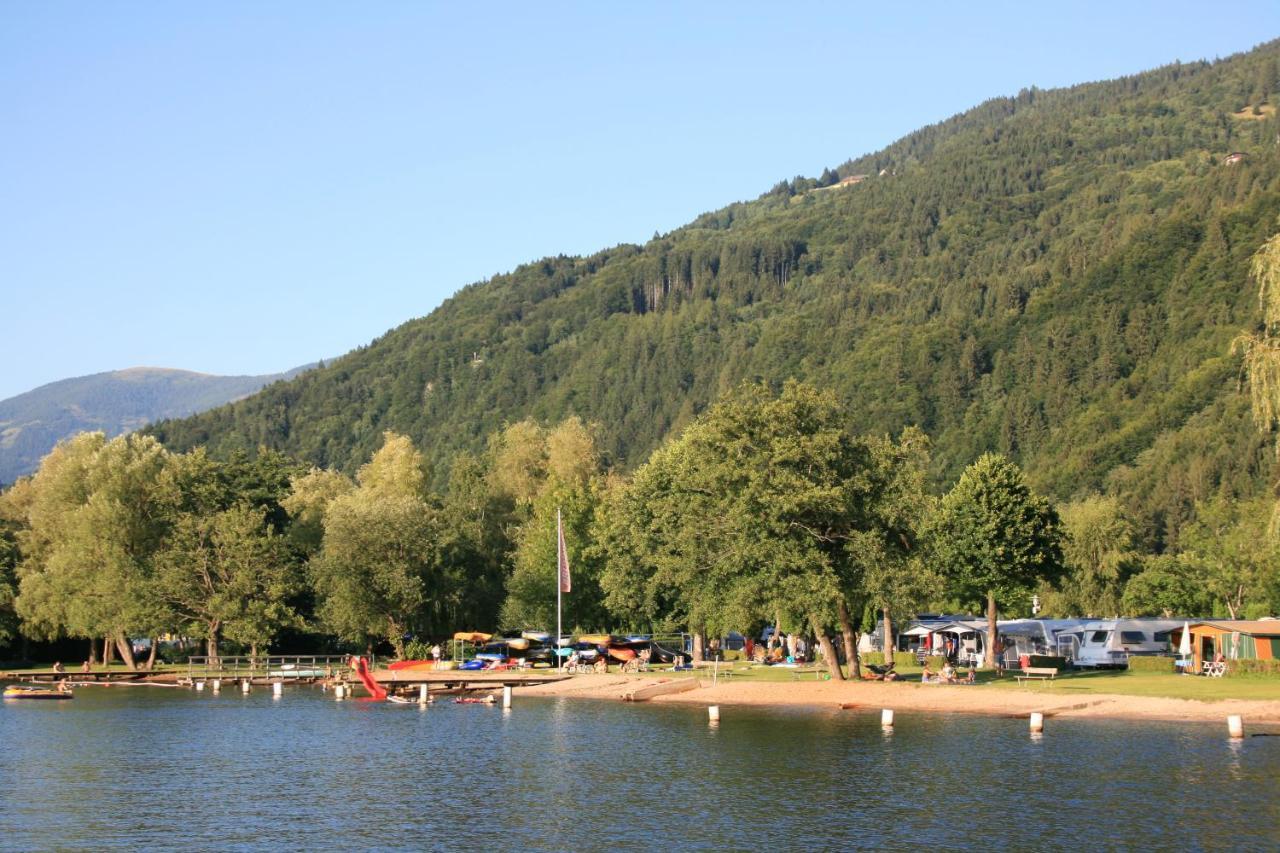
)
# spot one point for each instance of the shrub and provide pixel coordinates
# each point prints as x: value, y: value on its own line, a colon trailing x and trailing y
x: 900, y: 659
x: 1150, y: 664
x: 1253, y: 666
x: 417, y: 650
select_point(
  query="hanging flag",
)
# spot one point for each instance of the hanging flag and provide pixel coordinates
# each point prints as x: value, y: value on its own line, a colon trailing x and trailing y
x: 562, y: 555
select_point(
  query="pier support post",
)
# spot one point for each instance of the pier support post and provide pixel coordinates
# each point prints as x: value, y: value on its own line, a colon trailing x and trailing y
x: 506, y: 696
x: 339, y: 690
x: 1235, y: 726
x: 199, y: 686
x: 422, y: 694
x: 713, y: 714
x: 277, y: 688
x: 245, y: 686
x: 1037, y: 722
x: 217, y: 685
x: 886, y: 718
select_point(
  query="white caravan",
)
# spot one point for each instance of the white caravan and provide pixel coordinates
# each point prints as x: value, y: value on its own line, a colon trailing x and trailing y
x: 1110, y: 642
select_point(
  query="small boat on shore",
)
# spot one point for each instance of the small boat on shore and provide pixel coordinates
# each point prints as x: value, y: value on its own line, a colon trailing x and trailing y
x: 19, y: 692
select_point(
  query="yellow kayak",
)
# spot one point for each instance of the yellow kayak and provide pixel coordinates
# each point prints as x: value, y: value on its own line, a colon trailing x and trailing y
x: 35, y: 693
x: 473, y: 637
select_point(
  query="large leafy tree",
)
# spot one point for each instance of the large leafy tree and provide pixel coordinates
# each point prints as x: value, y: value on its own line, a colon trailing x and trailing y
x: 1260, y: 346
x: 753, y: 511
x: 1099, y: 554
x: 890, y: 572
x: 1168, y: 586
x: 993, y: 538
x: 12, y: 521
x: 228, y: 574
x: 1239, y: 560
x: 99, y: 513
x: 559, y: 473
x: 379, y: 573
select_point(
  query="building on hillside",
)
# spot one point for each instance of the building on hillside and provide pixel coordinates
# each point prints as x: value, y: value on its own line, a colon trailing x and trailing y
x: 1233, y: 158
x: 851, y: 180
x: 1234, y: 639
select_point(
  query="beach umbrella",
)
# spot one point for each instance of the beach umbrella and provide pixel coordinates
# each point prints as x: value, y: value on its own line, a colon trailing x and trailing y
x: 1184, y: 647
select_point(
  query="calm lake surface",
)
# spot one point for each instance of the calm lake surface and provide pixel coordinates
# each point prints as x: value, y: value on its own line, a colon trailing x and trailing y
x: 152, y: 768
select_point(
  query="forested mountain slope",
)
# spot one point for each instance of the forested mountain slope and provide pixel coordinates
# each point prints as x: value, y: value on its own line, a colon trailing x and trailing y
x: 114, y: 402
x: 1056, y: 275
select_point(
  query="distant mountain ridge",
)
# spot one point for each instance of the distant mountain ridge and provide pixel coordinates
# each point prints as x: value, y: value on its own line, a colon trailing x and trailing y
x: 114, y: 402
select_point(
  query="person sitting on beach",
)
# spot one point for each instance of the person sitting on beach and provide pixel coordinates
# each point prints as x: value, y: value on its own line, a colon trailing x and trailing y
x: 948, y: 673
x: 926, y: 677
x: 85, y: 667
x: 57, y: 667
x: 972, y: 677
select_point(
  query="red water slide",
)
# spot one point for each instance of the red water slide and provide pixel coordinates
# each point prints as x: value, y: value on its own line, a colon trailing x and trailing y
x: 361, y: 666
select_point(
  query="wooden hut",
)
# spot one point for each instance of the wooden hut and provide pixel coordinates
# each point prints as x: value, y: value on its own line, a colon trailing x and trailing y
x: 1235, y: 639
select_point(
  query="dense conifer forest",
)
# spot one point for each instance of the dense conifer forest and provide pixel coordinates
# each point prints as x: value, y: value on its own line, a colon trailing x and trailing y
x: 1056, y: 276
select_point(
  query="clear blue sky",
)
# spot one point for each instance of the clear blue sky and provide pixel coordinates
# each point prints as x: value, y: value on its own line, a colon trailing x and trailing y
x: 242, y: 188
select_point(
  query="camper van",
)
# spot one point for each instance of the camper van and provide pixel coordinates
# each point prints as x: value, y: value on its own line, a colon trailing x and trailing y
x: 1025, y: 637
x: 1110, y: 642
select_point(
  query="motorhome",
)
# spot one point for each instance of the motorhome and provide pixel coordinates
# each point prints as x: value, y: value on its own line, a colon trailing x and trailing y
x: 1110, y: 642
x: 1051, y: 637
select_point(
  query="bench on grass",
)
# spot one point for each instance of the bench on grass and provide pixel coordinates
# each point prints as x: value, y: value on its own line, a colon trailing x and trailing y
x: 1038, y: 673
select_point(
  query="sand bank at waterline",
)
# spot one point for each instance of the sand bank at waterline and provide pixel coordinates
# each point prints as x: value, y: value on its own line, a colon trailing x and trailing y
x: 913, y: 696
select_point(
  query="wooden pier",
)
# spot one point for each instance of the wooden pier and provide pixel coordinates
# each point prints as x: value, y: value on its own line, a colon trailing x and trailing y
x: 294, y: 669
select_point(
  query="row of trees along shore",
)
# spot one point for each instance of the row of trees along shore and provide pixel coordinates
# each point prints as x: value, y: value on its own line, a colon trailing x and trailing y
x: 765, y: 509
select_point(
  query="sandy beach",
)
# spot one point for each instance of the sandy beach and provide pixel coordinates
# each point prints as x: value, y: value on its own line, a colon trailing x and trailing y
x: 909, y: 696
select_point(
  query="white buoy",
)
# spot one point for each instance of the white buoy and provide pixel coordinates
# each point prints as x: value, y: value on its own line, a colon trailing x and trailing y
x: 506, y: 696
x: 422, y: 694
x: 713, y: 714
x: 199, y: 686
x: 1037, y: 722
x: 277, y: 688
x: 886, y: 718
x: 339, y: 690
x: 245, y: 685
x: 1235, y: 726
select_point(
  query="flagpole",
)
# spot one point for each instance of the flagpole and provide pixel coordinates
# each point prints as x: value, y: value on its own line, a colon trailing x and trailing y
x: 559, y: 586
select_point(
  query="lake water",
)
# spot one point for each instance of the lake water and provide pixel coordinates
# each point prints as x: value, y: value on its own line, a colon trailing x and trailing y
x: 152, y: 768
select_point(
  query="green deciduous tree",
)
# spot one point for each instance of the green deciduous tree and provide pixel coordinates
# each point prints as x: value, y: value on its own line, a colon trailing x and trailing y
x: 379, y: 570
x: 227, y: 574
x: 1240, y: 561
x: 1167, y: 586
x: 993, y: 538
x: 752, y: 512
x: 99, y: 514
x: 1099, y: 555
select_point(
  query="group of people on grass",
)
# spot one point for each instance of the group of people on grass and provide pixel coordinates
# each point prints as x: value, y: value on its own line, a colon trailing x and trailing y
x: 948, y: 675
x: 777, y: 648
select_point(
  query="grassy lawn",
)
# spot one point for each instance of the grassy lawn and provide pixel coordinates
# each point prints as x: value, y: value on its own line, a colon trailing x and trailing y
x: 1083, y: 682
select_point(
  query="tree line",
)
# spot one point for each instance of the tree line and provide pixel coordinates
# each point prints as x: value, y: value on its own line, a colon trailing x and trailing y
x: 766, y: 509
